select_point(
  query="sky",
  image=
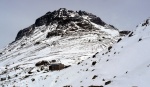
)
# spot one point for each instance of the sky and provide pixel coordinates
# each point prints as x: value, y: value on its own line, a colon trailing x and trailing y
x: 19, y: 14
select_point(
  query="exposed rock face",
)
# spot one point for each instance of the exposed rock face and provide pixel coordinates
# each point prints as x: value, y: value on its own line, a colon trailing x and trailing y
x: 63, y: 17
x: 94, y: 18
x: 123, y: 33
x: 25, y: 32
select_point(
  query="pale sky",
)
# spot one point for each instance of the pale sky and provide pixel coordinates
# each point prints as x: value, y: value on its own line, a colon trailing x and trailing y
x: 18, y: 14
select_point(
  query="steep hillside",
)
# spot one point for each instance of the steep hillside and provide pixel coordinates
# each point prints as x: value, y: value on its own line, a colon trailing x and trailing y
x: 125, y: 64
x: 60, y: 38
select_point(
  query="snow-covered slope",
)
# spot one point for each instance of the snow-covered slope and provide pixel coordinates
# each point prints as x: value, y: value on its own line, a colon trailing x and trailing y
x: 68, y: 37
x: 125, y: 64
x: 89, y: 48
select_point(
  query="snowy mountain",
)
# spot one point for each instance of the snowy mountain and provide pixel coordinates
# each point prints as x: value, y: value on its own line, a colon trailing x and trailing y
x: 68, y: 48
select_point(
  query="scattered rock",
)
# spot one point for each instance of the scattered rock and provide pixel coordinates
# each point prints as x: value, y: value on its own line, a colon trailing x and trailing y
x: 93, y: 69
x: 140, y: 39
x: 107, y: 60
x: 43, y: 62
x: 26, y: 76
x: 114, y: 77
x: 94, y: 76
x: 119, y: 40
x: 37, y: 43
x: 95, y: 55
x: 131, y: 34
x: 54, y: 33
x: 123, y: 33
x: 78, y: 63
x: 33, y: 79
x: 93, y: 63
x: 109, y: 48
x: 108, y: 82
x: 53, y: 61
x: 2, y: 79
x: 67, y: 66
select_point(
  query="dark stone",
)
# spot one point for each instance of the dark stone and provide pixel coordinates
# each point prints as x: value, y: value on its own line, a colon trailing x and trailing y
x: 57, y: 66
x: 94, y: 76
x: 67, y: 66
x: 2, y: 79
x: 131, y: 34
x: 93, y: 63
x: 53, y: 60
x: 140, y: 39
x: 30, y: 72
x: 37, y: 43
x: 26, y: 76
x: 16, y: 75
x: 54, y: 33
x: 33, y: 79
x: 95, y: 55
x: 108, y: 82
x: 78, y: 63
x: 114, y: 76
x: 109, y: 48
x: 9, y: 77
x: 119, y: 40
x: 146, y: 23
x: 124, y: 33
x: 23, y: 44
x: 43, y: 62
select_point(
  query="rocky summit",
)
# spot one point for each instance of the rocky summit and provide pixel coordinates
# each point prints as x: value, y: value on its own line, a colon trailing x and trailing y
x: 64, y: 19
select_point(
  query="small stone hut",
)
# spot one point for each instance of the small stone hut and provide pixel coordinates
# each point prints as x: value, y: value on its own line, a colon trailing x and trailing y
x: 56, y: 66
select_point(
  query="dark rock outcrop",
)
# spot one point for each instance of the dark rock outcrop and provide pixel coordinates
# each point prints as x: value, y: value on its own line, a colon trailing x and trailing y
x: 146, y: 22
x: 94, y: 18
x: 43, y: 62
x: 62, y: 17
x: 25, y: 32
x: 124, y: 33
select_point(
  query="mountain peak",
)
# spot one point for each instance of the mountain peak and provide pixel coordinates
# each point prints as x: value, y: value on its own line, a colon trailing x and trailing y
x: 64, y: 18
x: 63, y: 13
x: 62, y: 9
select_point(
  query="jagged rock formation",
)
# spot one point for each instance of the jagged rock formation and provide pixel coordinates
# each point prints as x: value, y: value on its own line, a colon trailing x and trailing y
x: 63, y: 18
